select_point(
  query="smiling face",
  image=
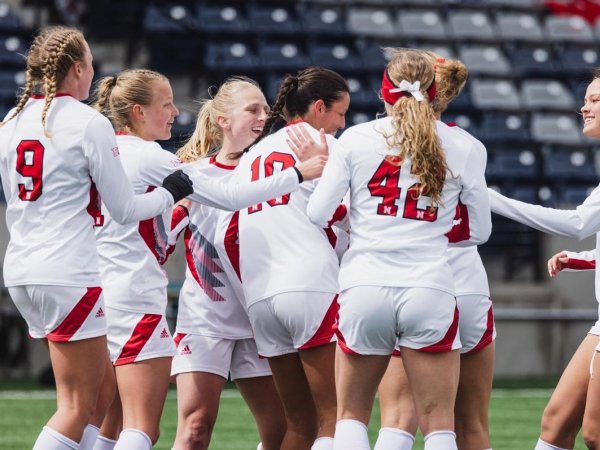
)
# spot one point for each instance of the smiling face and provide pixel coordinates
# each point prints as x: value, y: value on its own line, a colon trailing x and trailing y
x: 591, y: 110
x: 331, y: 119
x: 154, y: 121
x: 246, y: 119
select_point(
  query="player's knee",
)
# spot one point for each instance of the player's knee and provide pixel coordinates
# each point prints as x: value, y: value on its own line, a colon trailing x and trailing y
x: 307, y: 427
x: 198, y: 429
x: 591, y: 437
x: 554, y: 426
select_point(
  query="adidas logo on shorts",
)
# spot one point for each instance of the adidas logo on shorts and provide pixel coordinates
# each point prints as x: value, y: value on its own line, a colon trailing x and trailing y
x: 186, y: 350
x: 99, y: 313
x: 164, y: 333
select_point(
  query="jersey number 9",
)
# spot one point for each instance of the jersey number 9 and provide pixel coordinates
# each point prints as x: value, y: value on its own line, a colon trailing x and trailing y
x: 30, y: 163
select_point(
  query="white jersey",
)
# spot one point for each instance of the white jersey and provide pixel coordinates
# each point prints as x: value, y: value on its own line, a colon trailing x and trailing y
x: 208, y: 304
x: 280, y: 249
x: 52, y: 186
x: 469, y: 273
x: 131, y: 255
x: 397, y: 239
x: 576, y: 223
x: 578, y: 261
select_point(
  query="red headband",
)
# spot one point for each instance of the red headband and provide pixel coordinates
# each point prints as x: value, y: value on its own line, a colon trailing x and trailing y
x: 392, y: 97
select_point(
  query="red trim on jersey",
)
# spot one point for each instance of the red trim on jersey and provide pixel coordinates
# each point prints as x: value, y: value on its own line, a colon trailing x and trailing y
x: 206, y: 261
x: 331, y: 236
x: 397, y: 353
x: 294, y: 122
x: 445, y: 344
x: 232, y: 245
x: 213, y: 160
x: 121, y: 133
x: 178, y: 338
x: 339, y: 214
x: 139, y: 337
x: 460, y: 231
x: 94, y: 207
x: 324, y: 333
x: 488, y: 334
x: 580, y: 264
x: 451, y: 124
x: 72, y: 323
x: 58, y: 94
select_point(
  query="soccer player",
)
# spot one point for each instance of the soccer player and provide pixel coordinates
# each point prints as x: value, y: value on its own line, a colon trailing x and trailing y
x: 140, y: 105
x: 287, y: 266
x: 575, y: 403
x: 56, y: 155
x: 476, y: 321
x: 213, y: 336
x: 406, y: 174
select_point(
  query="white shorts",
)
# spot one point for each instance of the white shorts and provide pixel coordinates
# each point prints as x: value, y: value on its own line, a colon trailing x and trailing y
x: 373, y: 319
x: 61, y: 313
x: 238, y: 357
x: 476, y: 322
x: 134, y: 337
x: 595, y: 330
x: 292, y: 321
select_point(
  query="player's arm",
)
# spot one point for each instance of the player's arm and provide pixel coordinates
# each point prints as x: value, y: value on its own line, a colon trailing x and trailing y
x: 475, y: 213
x: 576, y: 223
x: 572, y: 261
x: 332, y: 187
x: 107, y: 173
x: 234, y: 196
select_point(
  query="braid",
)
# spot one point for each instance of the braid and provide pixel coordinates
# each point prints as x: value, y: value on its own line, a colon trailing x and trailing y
x: 25, y: 95
x: 56, y: 51
x: 103, y: 91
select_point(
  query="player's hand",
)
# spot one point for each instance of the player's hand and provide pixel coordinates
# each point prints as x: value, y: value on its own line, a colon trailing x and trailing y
x: 178, y: 184
x: 303, y: 145
x: 557, y: 263
x: 187, y: 204
x: 313, y: 167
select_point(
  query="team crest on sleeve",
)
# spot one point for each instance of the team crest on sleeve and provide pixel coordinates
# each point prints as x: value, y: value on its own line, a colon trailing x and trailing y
x: 115, y: 151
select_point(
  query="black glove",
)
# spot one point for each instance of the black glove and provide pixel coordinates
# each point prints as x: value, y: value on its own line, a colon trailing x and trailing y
x: 178, y: 184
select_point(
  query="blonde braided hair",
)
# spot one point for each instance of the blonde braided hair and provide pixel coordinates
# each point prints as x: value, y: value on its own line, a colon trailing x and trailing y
x: 415, y: 133
x: 49, y: 59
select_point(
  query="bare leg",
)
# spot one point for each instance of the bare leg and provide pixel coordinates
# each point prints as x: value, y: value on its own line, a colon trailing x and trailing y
x: 113, y: 420
x: 318, y: 363
x: 434, y: 395
x: 198, y: 396
x: 79, y: 369
x: 106, y: 396
x: 143, y: 388
x: 563, y: 414
x: 591, y: 417
x: 473, y: 399
x: 395, y: 399
x: 262, y: 399
x: 296, y: 397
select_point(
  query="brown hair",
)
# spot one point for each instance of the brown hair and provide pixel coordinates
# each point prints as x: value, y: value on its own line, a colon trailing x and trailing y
x: 414, y: 127
x: 208, y: 135
x: 115, y: 96
x: 49, y: 59
x: 297, y: 92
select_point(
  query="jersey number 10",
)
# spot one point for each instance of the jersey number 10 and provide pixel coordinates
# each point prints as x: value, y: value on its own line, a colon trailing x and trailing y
x: 284, y: 161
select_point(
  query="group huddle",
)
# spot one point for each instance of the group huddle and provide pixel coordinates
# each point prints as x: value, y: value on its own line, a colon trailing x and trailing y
x: 319, y: 271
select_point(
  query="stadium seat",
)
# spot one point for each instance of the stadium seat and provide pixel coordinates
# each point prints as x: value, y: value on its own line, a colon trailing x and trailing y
x: 282, y: 55
x: 521, y: 27
x: 10, y: 82
x: 10, y: 23
x: 423, y: 24
x: 530, y: 5
x: 362, y: 93
x: 174, y: 19
x: 371, y: 22
x: 573, y: 195
x: 226, y: 19
x: 579, y: 60
x: 472, y: 26
x: 546, y: 94
x: 273, y: 19
x: 373, y: 58
x: 568, y: 29
x: 495, y: 94
x: 569, y: 164
x: 533, y: 60
x: 466, y: 122
x: 462, y: 102
x: 444, y: 50
x: 230, y: 56
x: 513, y: 164
x: 12, y: 50
x: 484, y: 60
x: 527, y: 194
x: 323, y: 20
x: 356, y: 116
x: 498, y: 127
x: 342, y: 57
x: 555, y: 129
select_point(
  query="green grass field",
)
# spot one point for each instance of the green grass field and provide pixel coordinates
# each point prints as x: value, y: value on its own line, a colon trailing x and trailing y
x: 514, y: 416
